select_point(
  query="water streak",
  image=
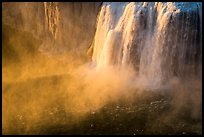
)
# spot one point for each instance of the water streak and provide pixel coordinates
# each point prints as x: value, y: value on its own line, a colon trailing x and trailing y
x: 160, y: 40
x: 52, y: 17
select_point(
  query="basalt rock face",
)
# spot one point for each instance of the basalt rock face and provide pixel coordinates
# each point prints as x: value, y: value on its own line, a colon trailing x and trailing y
x: 72, y: 25
x: 62, y: 26
x: 26, y: 16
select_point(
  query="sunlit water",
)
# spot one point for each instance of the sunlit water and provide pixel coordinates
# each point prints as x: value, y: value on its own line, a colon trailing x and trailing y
x: 144, y: 75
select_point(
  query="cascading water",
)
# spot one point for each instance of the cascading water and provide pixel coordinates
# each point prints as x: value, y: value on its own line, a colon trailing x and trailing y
x: 160, y: 40
x: 147, y: 67
x: 52, y: 17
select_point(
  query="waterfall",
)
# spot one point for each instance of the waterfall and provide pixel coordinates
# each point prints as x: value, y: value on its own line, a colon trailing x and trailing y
x: 69, y: 28
x: 52, y: 17
x: 160, y: 40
